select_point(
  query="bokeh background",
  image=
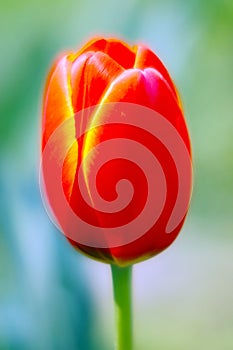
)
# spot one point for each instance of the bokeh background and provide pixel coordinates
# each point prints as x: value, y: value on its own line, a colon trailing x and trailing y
x: 50, y: 296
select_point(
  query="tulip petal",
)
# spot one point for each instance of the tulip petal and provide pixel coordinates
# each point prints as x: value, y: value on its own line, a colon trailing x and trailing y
x: 57, y: 109
x: 57, y: 102
x: 147, y: 88
x: 90, y: 77
x: 122, y: 53
x: 145, y: 58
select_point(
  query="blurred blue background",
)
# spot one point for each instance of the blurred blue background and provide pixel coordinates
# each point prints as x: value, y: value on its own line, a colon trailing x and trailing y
x: 50, y: 296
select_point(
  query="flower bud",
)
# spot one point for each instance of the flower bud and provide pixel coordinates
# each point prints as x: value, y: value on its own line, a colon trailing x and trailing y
x: 116, y: 158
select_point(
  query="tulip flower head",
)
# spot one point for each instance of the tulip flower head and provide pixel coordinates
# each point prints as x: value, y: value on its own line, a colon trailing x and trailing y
x: 116, y: 158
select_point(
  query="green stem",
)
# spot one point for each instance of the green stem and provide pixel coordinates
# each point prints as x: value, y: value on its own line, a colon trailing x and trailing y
x: 122, y: 278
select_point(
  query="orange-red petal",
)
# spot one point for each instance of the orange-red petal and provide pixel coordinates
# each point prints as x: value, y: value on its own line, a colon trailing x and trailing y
x: 119, y: 51
x: 145, y: 58
x: 57, y: 101
x: 91, y: 74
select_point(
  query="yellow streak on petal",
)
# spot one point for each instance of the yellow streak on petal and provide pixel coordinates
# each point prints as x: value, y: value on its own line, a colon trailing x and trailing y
x: 69, y: 169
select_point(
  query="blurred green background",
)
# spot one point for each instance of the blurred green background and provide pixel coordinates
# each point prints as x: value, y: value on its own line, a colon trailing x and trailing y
x: 50, y: 296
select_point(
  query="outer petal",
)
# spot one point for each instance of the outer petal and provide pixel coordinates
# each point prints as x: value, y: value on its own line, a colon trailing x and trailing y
x: 57, y: 102
x: 91, y: 74
x: 145, y: 58
x: 149, y: 89
x: 57, y: 108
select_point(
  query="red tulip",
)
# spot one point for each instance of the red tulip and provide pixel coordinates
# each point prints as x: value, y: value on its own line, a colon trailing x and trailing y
x: 109, y: 98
